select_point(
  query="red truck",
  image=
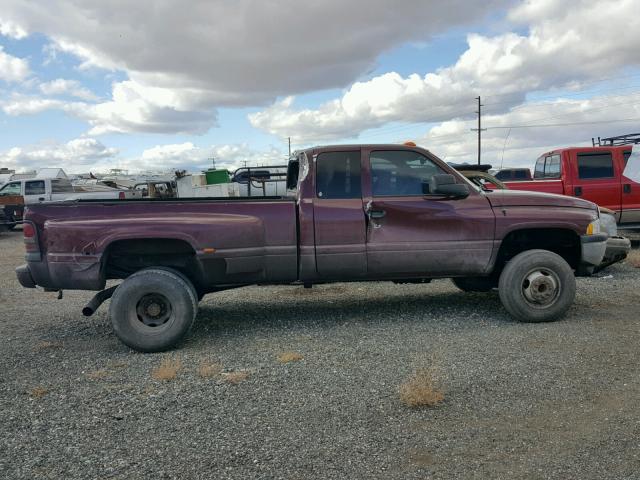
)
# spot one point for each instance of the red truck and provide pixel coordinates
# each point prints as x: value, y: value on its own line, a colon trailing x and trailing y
x: 605, y: 175
x: 352, y: 213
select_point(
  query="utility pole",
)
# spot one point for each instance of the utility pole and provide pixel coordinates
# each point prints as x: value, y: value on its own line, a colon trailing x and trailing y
x: 289, y: 147
x: 479, y: 129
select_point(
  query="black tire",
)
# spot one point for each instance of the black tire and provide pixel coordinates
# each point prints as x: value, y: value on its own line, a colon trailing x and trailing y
x: 153, y: 309
x: 537, y: 286
x: 475, y: 284
x: 184, y: 277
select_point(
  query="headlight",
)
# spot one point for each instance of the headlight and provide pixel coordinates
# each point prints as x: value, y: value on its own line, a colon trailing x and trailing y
x: 593, y: 227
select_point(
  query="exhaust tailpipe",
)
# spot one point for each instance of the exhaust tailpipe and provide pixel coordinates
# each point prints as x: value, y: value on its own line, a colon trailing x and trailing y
x: 93, y: 305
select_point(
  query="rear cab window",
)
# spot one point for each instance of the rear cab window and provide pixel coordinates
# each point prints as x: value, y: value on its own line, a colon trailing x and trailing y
x: 338, y: 175
x: 595, y: 165
x: 547, y: 167
x: 61, y: 186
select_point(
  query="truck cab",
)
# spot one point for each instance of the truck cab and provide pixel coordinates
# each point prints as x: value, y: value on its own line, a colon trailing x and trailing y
x: 606, y: 175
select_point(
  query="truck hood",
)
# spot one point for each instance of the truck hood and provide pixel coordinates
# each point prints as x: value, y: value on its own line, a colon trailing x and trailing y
x: 521, y: 198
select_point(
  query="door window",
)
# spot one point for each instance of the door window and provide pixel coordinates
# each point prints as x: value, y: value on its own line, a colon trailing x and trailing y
x: 401, y: 173
x: 35, y: 187
x: 10, y: 189
x: 338, y: 175
x: 595, y: 165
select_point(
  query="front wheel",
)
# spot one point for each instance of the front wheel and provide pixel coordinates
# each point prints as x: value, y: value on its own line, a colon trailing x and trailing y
x: 153, y: 309
x: 537, y: 286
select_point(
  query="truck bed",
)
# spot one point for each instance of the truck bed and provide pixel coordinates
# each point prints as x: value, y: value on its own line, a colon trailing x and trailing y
x: 222, y: 241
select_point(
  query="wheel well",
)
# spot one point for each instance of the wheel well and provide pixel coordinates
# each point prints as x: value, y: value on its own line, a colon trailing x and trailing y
x: 563, y: 242
x: 125, y: 257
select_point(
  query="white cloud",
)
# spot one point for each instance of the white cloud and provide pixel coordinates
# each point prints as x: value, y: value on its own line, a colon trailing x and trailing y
x: 193, y: 158
x: 12, y: 69
x: 76, y: 155
x: 226, y: 53
x: 11, y: 30
x: 564, y: 47
x: 88, y: 154
x: 61, y: 86
x: 27, y: 105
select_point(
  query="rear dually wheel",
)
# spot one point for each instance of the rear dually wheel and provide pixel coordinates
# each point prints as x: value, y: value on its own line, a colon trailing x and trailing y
x: 153, y: 309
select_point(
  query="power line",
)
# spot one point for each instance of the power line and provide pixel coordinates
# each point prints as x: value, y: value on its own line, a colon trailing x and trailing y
x: 567, y: 124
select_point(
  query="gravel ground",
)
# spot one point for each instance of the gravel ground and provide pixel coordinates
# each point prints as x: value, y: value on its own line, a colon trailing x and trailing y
x: 556, y: 400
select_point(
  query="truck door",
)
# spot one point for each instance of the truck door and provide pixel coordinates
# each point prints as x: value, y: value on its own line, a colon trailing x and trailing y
x: 414, y: 233
x: 34, y: 191
x: 338, y: 218
x: 597, y: 178
x: 631, y: 187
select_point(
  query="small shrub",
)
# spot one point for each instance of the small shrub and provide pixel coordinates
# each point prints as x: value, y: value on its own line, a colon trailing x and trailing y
x: 38, y: 392
x: 209, y: 369
x: 633, y: 258
x: 286, y: 357
x: 420, y: 390
x: 168, y: 369
x: 235, y: 377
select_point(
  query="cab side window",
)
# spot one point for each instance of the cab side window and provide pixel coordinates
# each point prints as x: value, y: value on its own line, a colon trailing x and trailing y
x: 338, y: 175
x: 35, y: 187
x: 595, y: 165
x: 401, y: 173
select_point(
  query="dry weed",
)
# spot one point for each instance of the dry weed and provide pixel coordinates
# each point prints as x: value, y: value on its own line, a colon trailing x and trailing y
x: 38, y: 392
x: 633, y: 258
x: 235, y: 377
x: 98, y: 375
x: 286, y: 357
x: 118, y: 364
x: 421, y: 390
x: 209, y: 369
x: 168, y: 369
x: 49, y: 345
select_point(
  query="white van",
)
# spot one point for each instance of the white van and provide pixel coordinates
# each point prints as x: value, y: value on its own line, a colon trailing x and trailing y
x: 36, y: 190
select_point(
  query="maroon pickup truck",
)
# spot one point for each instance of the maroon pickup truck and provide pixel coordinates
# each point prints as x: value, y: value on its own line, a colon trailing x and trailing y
x: 352, y: 213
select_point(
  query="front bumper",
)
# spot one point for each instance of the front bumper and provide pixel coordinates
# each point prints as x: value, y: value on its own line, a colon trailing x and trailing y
x: 593, y: 248
x: 617, y: 249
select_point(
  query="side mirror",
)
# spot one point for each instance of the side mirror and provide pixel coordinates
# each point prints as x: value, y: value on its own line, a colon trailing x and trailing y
x: 445, y: 184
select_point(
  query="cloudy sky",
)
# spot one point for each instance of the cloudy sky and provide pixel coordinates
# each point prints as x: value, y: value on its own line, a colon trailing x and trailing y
x: 159, y: 85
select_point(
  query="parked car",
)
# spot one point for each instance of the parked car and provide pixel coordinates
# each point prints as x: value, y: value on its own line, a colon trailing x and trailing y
x: 513, y: 174
x: 12, y: 208
x: 35, y: 190
x: 608, y: 176
x: 355, y: 213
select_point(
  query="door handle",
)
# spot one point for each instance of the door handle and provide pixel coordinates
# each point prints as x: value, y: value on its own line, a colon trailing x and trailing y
x: 578, y: 191
x: 377, y: 214
x: 41, y: 199
x: 626, y: 188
